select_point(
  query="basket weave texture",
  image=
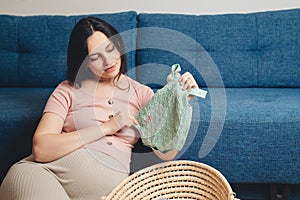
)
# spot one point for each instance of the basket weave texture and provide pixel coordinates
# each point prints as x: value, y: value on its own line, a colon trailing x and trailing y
x: 179, y: 179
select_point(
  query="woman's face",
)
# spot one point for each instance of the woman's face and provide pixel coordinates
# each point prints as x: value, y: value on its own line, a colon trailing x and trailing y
x: 104, y: 59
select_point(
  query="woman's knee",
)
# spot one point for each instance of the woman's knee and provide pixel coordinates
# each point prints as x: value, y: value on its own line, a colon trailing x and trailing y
x: 30, y: 181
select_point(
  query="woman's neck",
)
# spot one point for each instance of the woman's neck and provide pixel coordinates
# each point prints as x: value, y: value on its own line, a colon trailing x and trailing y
x: 104, y: 88
x: 107, y: 81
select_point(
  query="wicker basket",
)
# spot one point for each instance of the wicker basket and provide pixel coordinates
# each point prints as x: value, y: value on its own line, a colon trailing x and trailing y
x: 179, y: 179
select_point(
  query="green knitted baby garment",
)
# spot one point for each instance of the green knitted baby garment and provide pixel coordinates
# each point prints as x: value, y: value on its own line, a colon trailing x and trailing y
x: 165, y: 120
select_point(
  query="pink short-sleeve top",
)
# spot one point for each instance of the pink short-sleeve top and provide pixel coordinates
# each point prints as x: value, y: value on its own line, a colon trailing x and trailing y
x: 80, y: 109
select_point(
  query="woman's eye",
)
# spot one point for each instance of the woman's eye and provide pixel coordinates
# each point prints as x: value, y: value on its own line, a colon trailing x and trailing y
x: 110, y: 48
x: 94, y: 57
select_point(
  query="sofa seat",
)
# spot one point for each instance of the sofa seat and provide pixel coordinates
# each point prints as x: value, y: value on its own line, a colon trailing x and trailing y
x: 21, y: 109
x: 260, y: 137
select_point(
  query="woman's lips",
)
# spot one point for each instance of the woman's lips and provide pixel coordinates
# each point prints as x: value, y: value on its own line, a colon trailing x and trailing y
x: 110, y: 69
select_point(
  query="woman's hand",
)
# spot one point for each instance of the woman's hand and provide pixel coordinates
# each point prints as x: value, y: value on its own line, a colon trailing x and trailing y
x: 187, y: 81
x: 120, y: 120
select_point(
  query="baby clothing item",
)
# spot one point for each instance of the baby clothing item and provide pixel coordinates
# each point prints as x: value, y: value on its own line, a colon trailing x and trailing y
x: 165, y: 120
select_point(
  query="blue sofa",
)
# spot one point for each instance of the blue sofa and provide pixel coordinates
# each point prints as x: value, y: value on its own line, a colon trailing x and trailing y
x: 248, y: 127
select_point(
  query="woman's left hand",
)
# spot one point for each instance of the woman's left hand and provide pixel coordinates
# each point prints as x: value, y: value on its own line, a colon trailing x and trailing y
x: 187, y: 81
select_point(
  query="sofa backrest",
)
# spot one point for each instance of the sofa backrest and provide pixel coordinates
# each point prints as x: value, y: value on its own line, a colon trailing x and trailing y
x: 249, y: 50
x: 33, y: 49
x: 232, y: 50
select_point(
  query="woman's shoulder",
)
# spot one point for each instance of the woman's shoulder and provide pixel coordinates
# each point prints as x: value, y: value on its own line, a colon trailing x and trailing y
x: 65, y: 85
x: 60, y: 100
x: 137, y: 85
x: 64, y: 88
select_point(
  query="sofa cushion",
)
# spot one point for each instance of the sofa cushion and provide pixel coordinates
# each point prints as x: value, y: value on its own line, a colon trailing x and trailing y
x: 195, y: 42
x: 35, y: 47
x: 260, y: 136
x: 279, y: 34
x: 246, y: 50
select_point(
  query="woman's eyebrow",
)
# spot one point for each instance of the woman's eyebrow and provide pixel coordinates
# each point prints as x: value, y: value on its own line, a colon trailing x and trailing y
x: 107, y: 46
x: 96, y: 53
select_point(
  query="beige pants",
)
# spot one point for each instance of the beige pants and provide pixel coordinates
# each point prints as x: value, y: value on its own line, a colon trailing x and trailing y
x: 81, y: 175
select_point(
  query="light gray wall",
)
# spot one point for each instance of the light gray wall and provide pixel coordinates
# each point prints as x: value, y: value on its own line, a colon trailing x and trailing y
x: 69, y: 7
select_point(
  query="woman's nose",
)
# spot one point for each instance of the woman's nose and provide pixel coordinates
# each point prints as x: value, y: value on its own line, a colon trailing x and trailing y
x: 108, y: 59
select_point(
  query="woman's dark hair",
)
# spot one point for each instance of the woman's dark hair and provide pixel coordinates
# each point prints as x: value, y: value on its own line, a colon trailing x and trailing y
x: 78, y: 49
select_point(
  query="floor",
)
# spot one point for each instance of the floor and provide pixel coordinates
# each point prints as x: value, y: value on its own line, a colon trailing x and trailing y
x: 266, y: 191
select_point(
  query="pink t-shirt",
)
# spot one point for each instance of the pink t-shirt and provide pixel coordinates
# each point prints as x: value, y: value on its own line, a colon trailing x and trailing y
x: 80, y: 109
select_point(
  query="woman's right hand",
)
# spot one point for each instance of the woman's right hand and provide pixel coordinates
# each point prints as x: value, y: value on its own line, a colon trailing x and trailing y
x: 121, y: 120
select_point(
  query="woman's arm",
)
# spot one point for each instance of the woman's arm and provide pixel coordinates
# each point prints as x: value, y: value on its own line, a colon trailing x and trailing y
x: 50, y: 144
